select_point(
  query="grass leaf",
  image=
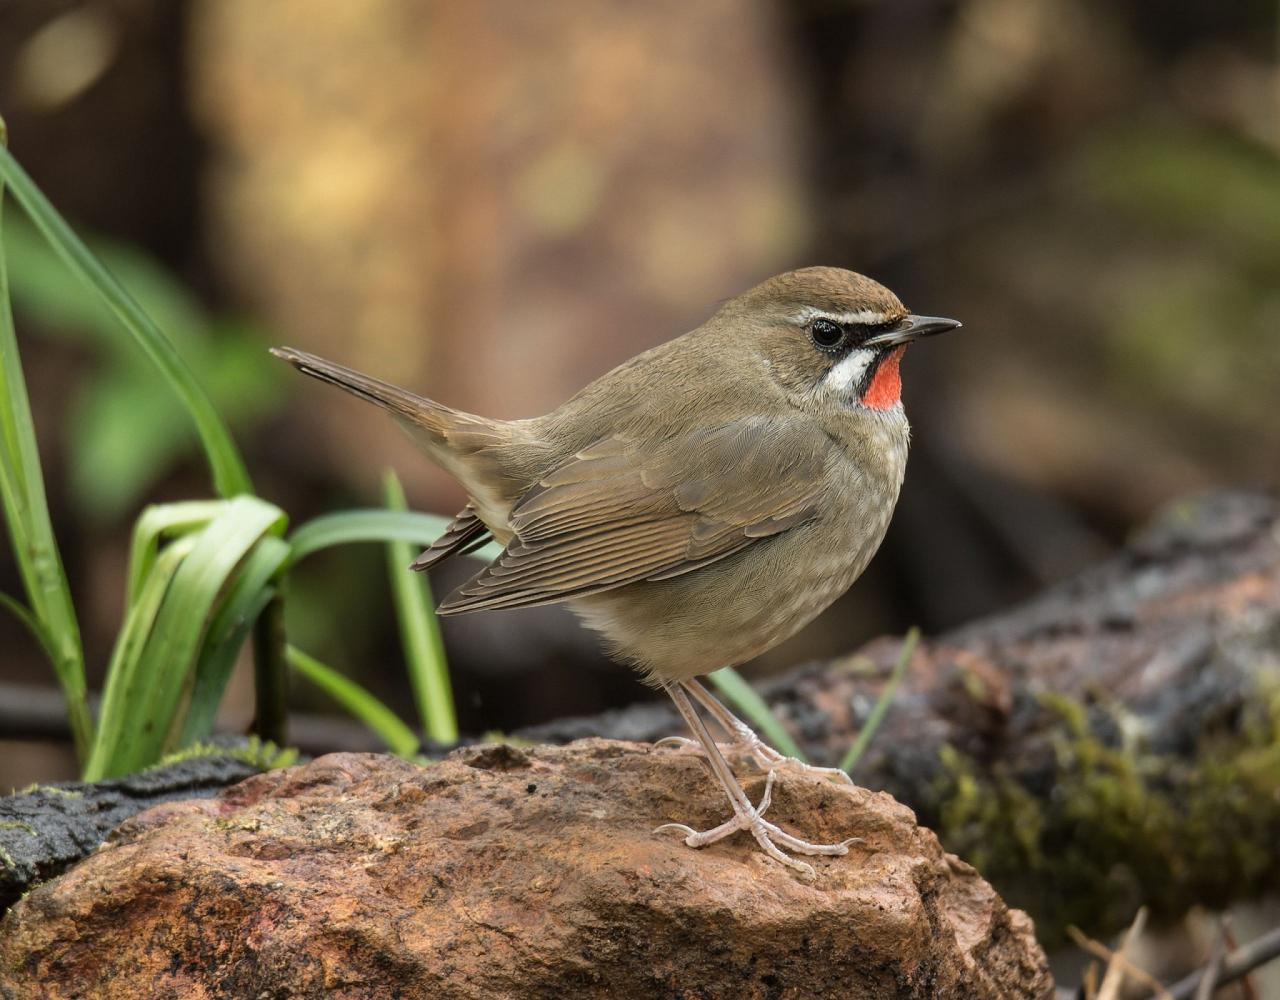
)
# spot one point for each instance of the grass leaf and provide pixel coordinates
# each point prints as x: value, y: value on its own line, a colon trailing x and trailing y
x: 30, y: 529
x: 229, y: 474
x: 127, y: 426
x: 372, y: 525
x: 156, y: 523
x: 420, y: 632
x: 32, y: 623
x: 124, y: 686
x: 859, y: 745
x: 142, y: 720
x: 250, y: 591
x: 734, y: 687
x: 398, y: 737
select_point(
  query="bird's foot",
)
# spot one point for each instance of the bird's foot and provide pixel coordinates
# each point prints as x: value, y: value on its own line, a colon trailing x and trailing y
x: 681, y: 744
x: 772, y: 760
x: 749, y: 745
x: 768, y: 835
x: 684, y: 745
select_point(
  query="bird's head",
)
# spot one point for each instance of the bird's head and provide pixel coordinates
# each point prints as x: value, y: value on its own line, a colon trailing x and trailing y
x: 829, y: 335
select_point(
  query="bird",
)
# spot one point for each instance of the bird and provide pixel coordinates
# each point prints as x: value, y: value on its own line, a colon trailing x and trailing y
x: 696, y: 505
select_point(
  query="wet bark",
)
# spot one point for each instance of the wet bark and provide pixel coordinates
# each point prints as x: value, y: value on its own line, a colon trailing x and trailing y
x: 45, y: 829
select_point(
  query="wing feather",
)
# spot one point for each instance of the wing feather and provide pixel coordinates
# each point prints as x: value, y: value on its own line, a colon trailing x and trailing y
x: 621, y: 511
x: 465, y: 533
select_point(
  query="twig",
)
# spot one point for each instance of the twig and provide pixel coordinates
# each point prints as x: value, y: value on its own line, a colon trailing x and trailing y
x: 1118, y: 964
x: 1239, y: 963
x: 1247, y: 988
x: 1113, y: 981
x: 1209, y: 981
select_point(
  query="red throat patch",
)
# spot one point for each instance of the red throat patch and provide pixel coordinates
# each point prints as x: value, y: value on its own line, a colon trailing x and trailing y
x: 886, y: 384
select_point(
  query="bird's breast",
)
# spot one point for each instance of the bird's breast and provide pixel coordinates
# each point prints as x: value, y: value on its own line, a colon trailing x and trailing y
x: 735, y: 609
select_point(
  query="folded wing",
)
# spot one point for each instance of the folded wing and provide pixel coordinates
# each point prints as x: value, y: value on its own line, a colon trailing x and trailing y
x: 622, y: 511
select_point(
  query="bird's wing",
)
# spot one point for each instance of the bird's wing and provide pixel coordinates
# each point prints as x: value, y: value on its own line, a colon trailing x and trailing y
x: 622, y: 511
x: 465, y: 533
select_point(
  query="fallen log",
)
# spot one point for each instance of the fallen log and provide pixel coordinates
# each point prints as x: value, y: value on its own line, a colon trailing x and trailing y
x: 47, y: 828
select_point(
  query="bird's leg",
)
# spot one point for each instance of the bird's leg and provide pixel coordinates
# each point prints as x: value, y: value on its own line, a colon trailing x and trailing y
x: 745, y: 816
x: 746, y: 743
x: 733, y: 748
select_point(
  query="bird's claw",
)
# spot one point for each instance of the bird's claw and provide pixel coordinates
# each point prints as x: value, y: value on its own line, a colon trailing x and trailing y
x: 833, y: 774
x: 767, y: 835
x: 763, y: 755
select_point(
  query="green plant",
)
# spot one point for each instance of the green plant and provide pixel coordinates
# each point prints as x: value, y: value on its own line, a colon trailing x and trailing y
x: 881, y: 707
x: 51, y: 615
x: 419, y: 632
x: 756, y: 710
x: 202, y: 574
x: 734, y: 686
x: 398, y: 737
x: 125, y: 427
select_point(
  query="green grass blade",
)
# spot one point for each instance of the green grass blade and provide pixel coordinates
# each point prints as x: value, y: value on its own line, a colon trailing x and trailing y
x: 859, y: 745
x: 125, y: 686
x: 142, y: 728
x: 30, y: 529
x: 398, y: 737
x: 229, y: 474
x: 248, y: 594
x: 32, y: 623
x: 420, y: 633
x: 156, y: 523
x: 185, y: 614
x: 372, y: 525
x: 734, y: 687
x: 126, y: 426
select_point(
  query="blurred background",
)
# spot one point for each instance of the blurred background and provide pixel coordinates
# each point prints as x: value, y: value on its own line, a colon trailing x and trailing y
x: 494, y: 202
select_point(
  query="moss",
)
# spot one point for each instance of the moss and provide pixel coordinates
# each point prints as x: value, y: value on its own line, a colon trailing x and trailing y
x: 69, y: 793
x: 1118, y: 824
x: 1010, y: 815
x: 6, y: 858
x: 260, y: 754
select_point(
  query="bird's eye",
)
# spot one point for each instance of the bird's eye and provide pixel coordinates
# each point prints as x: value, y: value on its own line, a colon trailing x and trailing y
x: 826, y: 334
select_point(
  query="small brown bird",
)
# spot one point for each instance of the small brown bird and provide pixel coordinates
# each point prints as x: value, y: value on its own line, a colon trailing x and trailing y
x: 698, y: 504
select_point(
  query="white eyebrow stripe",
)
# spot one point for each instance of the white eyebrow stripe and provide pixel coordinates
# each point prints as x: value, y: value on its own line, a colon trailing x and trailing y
x: 849, y: 371
x: 862, y: 317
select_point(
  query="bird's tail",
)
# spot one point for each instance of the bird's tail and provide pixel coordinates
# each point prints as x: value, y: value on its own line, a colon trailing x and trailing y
x: 418, y: 411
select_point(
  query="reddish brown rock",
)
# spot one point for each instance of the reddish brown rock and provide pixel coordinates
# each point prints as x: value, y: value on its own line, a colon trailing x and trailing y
x: 512, y: 873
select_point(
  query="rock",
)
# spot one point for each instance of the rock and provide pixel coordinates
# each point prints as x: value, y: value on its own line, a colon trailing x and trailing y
x: 506, y: 872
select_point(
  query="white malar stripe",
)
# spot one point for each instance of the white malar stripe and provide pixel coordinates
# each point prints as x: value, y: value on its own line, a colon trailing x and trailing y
x: 849, y: 371
x: 862, y: 317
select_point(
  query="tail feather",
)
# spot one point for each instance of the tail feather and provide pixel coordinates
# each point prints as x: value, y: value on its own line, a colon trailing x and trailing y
x: 417, y: 410
x: 474, y: 450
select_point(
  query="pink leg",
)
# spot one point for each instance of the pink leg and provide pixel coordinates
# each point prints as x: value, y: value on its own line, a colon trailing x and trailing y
x: 745, y: 815
x: 745, y: 742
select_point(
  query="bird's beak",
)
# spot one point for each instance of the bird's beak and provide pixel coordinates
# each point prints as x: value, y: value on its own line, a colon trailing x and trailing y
x: 912, y: 328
